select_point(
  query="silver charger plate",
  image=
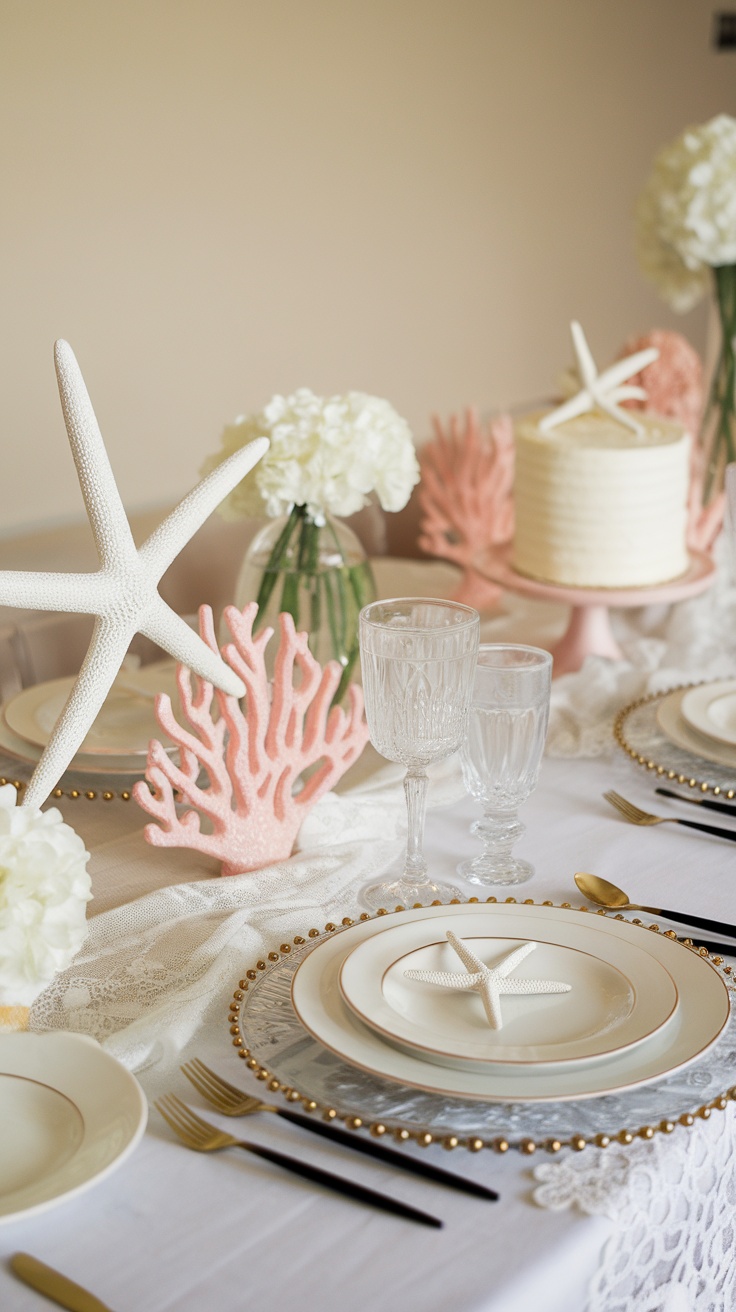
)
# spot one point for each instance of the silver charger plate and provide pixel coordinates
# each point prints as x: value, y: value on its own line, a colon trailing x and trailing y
x: 274, y: 1043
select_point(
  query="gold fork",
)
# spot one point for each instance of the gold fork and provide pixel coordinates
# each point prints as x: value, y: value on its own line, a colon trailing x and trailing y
x: 638, y: 817
x: 225, y: 1097
x: 231, y: 1101
x: 206, y: 1138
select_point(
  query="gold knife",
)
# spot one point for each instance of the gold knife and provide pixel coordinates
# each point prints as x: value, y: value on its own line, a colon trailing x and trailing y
x: 54, y: 1285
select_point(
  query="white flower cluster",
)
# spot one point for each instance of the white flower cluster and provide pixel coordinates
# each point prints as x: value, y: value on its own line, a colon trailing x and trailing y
x: 327, y: 453
x: 44, y: 888
x: 686, y: 214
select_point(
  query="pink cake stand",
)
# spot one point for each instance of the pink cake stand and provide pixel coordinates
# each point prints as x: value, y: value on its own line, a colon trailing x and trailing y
x: 589, y: 632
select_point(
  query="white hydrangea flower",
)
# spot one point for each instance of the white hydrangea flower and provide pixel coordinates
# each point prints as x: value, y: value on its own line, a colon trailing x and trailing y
x: 326, y: 453
x: 686, y: 214
x: 44, y: 889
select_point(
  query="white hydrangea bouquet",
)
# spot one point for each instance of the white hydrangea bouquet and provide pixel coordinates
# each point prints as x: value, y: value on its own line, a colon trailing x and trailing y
x: 327, y: 456
x: 44, y: 890
x: 686, y: 243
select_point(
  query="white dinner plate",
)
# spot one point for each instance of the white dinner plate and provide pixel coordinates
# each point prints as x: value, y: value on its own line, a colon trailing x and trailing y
x: 711, y: 709
x: 700, y: 1017
x: 124, y: 725
x: 12, y: 745
x: 675, y: 727
x: 619, y: 996
x: 70, y: 1114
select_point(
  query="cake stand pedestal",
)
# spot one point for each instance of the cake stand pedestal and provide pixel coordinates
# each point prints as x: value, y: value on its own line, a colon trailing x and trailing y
x: 589, y: 630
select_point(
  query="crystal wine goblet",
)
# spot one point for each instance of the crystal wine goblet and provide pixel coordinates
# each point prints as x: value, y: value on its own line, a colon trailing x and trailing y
x: 502, y: 753
x: 418, y: 657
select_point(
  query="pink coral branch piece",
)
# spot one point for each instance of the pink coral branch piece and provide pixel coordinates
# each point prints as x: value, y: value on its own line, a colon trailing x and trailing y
x: 674, y: 388
x: 466, y: 496
x: 250, y: 772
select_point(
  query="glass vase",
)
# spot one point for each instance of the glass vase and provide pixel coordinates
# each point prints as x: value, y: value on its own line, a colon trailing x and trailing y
x: 318, y: 572
x: 718, y: 433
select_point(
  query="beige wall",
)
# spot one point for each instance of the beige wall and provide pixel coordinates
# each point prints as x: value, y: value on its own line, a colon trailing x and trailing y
x: 213, y: 200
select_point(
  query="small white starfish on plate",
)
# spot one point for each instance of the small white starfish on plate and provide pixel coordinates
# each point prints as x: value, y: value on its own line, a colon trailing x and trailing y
x: 123, y: 593
x: 601, y: 391
x: 490, y: 981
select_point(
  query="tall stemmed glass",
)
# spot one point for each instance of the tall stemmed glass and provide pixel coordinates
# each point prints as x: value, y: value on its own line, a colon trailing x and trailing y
x: 418, y: 657
x: 502, y: 754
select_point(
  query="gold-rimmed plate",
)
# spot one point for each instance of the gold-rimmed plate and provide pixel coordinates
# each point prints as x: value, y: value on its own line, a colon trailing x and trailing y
x: 620, y: 995
x: 711, y: 709
x: 675, y: 727
x: 124, y: 725
x: 70, y: 1114
x: 701, y: 1016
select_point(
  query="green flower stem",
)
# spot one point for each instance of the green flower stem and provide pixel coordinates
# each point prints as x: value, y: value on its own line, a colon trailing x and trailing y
x: 310, y: 542
x: 329, y: 587
x: 275, y: 561
x: 336, y: 592
x: 363, y: 589
x: 722, y: 399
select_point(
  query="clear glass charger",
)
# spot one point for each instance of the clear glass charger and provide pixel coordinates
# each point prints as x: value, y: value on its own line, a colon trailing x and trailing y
x: 637, y: 731
x: 288, y: 1060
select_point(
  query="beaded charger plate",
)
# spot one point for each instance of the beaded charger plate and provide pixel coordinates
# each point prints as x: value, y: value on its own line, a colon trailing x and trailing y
x: 288, y: 1060
x: 639, y: 733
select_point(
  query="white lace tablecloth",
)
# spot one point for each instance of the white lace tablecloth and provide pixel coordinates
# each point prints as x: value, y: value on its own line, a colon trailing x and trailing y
x: 647, y: 1227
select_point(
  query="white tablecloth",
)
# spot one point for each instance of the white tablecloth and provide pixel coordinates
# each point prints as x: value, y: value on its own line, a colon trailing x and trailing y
x: 173, y: 1231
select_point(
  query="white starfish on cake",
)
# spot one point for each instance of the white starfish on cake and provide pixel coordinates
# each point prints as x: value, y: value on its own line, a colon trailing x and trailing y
x: 601, y: 391
x: 123, y: 593
x: 491, y: 982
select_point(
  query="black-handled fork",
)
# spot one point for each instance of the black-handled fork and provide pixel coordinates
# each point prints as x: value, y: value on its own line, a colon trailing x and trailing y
x: 231, y: 1101
x: 725, y: 808
x: 206, y: 1138
x: 636, y: 816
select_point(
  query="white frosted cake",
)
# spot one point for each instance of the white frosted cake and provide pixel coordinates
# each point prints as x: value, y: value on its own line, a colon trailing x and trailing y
x: 599, y: 506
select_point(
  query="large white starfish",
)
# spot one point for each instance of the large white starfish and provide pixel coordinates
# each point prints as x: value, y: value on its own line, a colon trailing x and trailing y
x: 123, y: 593
x: 490, y: 981
x: 601, y: 391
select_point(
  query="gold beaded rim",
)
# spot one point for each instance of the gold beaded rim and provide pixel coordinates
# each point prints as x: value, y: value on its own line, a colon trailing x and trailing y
x: 662, y: 771
x: 91, y: 794
x: 425, y: 1137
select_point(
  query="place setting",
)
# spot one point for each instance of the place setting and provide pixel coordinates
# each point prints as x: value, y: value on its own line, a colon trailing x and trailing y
x: 686, y: 734
x: 116, y: 743
x: 484, y: 1022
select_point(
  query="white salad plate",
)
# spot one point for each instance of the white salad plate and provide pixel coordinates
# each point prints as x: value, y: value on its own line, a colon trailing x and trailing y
x: 124, y: 725
x: 711, y: 709
x: 619, y: 996
x: 70, y: 1114
x: 675, y: 727
x: 700, y: 1017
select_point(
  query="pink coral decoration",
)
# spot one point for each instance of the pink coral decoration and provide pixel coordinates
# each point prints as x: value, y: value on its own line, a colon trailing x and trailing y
x: 675, y: 389
x: 265, y: 766
x: 673, y: 382
x: 466, y: 497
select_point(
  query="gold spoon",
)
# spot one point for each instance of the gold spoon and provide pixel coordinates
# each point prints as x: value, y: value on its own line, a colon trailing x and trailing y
x: 608, y: 895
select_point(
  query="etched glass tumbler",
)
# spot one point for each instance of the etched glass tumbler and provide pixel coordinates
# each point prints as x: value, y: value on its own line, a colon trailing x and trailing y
x: 418, y: 658
x: 502, y: 754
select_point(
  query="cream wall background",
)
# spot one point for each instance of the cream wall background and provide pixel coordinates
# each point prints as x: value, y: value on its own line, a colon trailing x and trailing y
x: 214, y: 200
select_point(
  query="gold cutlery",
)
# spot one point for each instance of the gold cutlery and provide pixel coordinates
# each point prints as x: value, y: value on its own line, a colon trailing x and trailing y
x: 231, y: 1101
x: 54, y: 1285
x: 206, y: 1138
x: 610, y: 896
x: 638, y: 817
